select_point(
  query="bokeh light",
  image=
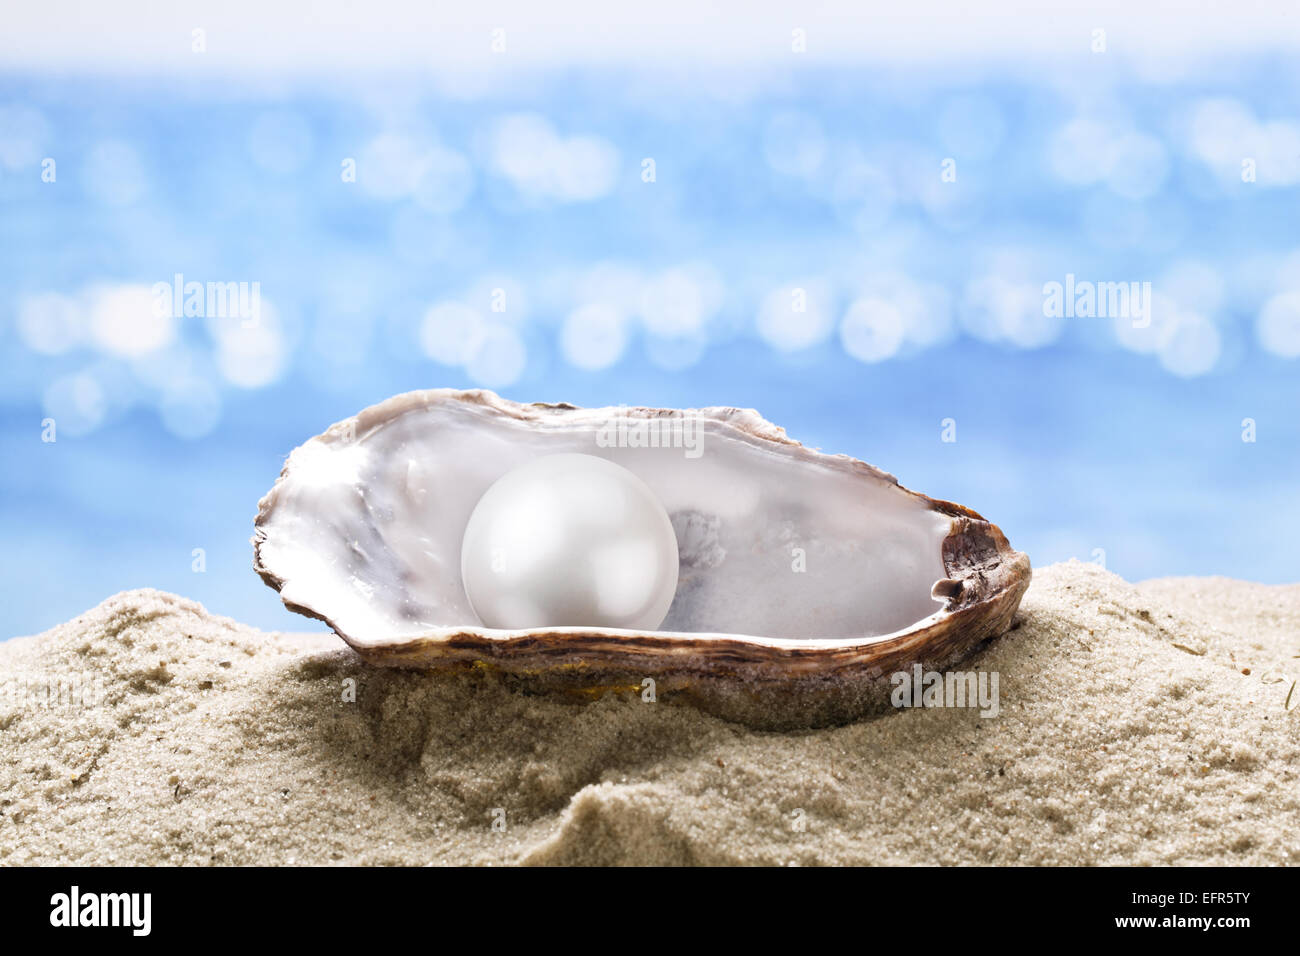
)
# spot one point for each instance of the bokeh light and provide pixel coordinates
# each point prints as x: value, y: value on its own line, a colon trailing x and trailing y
x: 76, y: 403
x: 50, y: 323
x: 130, y: 319
x: 872, y: 330
x: 1278, y: 325
x: 594, y: 337
x: 797, y: 316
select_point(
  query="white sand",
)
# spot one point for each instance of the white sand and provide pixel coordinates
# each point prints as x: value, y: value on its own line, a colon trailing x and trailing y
x: 1129, y: 733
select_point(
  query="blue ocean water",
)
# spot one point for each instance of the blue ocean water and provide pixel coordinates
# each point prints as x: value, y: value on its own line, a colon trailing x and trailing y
x: 860, y: 256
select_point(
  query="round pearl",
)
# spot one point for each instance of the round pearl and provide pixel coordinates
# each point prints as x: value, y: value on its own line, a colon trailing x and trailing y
x: 569, y: 540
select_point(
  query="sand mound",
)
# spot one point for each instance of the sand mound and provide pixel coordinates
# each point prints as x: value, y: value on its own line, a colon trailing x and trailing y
x: 148, y: 731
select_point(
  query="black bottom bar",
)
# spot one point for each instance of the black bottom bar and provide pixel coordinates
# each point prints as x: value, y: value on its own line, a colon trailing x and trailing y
x: 334, y: 906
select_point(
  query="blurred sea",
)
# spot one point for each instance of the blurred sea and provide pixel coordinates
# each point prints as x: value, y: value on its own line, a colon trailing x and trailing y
x: 605, y: 238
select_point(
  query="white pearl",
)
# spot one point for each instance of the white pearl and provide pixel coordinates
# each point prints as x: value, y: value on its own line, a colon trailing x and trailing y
x: 569, y: 540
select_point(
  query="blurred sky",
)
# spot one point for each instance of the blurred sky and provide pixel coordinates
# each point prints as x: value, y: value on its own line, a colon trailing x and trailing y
x: 519, y: 178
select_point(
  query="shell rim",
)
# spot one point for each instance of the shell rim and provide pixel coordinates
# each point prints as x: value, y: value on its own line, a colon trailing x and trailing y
x: 999, y: 577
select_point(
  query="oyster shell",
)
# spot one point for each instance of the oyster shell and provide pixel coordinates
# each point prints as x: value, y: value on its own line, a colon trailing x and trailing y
x: 806, y: 579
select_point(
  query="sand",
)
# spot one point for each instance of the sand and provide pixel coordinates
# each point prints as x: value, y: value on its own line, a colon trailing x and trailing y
x: 1138, y: 724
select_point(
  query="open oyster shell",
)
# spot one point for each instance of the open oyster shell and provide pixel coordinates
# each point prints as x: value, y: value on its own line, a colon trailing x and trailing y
x: 806, y: 579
